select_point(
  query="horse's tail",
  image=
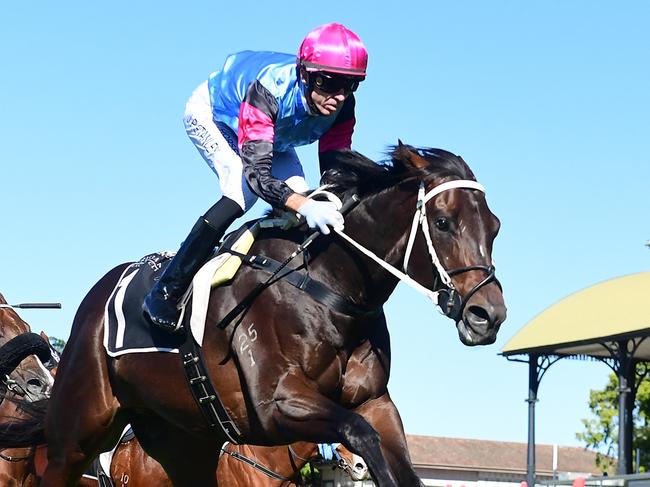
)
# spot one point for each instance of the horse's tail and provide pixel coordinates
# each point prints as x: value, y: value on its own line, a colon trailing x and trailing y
x: 23, y: 424
x: 27, y: 430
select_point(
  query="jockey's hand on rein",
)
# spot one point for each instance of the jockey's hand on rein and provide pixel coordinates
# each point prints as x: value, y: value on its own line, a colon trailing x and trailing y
x: 321, y: 214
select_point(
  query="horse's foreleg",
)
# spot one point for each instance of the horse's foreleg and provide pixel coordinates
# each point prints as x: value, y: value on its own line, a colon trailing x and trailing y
x: 304, y: 414
x: 68, y: 457
x: 382, y: 414
x: 73, y: 443
x: 83, y: 416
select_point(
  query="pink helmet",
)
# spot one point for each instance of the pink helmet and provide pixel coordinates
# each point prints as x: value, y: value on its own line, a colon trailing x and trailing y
x: 335, y: 49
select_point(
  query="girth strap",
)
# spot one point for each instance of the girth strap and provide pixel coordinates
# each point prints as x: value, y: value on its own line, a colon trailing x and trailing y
x: 301, y: 280
x: 203, y: 390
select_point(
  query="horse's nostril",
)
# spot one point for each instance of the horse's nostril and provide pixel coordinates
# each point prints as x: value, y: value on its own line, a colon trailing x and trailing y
x: 480, y: 313
x: 360, y: 466
x: 34, y: 385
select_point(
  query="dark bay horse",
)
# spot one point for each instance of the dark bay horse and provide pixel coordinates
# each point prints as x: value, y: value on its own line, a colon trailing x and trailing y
x: 312, y: 372
x: 25, y: 384
x: 244, y: 465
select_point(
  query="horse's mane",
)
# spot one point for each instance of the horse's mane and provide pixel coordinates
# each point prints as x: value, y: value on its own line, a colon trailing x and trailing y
x: 353, y: 170
x: 27, y: 429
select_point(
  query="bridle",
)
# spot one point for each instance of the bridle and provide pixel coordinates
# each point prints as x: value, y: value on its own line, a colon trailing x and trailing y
x: 14, y: 386
x: 446, y: 296
x: 443, y: 294
x: 330, y: 454
x: 12, y: 459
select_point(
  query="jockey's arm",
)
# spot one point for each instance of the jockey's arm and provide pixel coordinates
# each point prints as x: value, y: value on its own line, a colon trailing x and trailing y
x: 257, y: 116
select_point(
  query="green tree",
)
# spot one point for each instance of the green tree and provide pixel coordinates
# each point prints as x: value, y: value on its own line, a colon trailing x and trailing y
x: 57, y: 343
x: 310, y: 475
x: 601, y: 432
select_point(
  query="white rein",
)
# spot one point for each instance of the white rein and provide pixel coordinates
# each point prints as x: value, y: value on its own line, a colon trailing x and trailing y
x: 419, y: 220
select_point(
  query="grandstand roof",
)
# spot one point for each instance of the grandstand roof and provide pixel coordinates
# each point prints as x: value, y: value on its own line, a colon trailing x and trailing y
x: 586, y: 322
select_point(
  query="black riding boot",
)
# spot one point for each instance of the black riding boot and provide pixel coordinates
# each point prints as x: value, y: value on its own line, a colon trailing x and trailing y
x: 160, y: 305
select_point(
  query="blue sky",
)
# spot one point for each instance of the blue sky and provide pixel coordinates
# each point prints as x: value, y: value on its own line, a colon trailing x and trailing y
x: 547, y: 101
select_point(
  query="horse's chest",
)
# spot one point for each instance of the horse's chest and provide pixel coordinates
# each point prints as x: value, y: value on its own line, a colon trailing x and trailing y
x: 321, y: 368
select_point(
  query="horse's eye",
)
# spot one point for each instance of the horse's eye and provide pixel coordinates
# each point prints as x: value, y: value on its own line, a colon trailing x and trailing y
x: 442, y: 224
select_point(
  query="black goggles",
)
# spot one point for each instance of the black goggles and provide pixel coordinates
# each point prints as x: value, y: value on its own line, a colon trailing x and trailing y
x: 332, y: 84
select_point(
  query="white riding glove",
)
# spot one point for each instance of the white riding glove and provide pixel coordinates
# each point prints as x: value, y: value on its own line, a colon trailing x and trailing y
x: 321, y: 214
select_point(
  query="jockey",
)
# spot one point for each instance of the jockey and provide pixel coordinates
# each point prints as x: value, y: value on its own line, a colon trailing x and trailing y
x: 245, y: 121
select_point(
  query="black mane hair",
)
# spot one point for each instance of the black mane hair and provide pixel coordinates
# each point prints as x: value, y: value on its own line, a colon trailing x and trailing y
x: 354, y: 170
x: 27, y: 429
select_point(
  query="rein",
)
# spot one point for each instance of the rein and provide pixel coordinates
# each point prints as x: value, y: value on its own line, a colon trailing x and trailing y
x: 260, y: 467
x: 448, y: 299
x: 340, y: 463
x: 319, y: 291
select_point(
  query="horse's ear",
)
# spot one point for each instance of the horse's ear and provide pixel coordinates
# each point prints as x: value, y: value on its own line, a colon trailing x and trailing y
x: 409, y: 157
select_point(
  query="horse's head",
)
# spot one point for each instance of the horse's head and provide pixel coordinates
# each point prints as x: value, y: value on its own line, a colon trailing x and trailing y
x: 29, y: 381
x: 352, y: 464
x: 435, y: 226
x: 338, y: 456
x: 458, y: 230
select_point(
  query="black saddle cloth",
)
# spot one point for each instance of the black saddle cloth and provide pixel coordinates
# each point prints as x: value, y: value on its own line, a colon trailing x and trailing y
x: 127, y: 330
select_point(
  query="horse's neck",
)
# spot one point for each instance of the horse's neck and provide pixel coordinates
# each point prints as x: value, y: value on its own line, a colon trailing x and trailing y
x: 380, y: 223
x: 11, y: 323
